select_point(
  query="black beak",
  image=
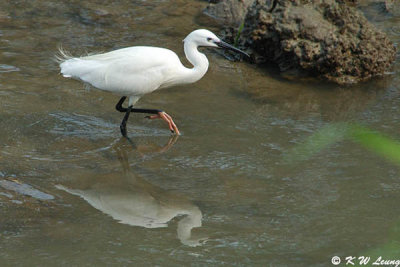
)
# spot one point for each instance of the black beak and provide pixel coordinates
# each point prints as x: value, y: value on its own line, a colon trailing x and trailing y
x: 222, y: 44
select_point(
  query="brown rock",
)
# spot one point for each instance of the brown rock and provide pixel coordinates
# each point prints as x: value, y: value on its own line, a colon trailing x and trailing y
x: 326, y: 38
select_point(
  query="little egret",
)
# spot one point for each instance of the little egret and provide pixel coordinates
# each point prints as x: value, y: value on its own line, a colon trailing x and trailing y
x: 135, y: 71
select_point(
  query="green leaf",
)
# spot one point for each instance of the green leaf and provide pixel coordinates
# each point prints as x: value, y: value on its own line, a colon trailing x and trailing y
x: 317, y: 142
x: 377, y: 143
x: 241, y: 26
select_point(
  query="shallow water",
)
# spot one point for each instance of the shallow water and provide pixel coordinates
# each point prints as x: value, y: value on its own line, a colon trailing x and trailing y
x: 222, y: 193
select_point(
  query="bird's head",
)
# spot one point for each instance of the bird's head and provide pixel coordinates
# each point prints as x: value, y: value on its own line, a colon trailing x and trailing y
x: 206, y: 38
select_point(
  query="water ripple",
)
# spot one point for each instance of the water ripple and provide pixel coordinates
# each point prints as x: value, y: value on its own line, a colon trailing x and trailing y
x: 395, y: 30
x: 8, y: 68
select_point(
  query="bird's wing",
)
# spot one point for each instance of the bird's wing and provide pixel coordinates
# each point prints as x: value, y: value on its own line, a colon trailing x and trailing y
x: 130, y: 71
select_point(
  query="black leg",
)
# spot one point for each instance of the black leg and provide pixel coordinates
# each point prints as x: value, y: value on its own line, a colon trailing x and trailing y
x: 125, y: 119
x: 130, y: 109
x: 146, y: 110
x: 120, y: 108
x: 119, y: 105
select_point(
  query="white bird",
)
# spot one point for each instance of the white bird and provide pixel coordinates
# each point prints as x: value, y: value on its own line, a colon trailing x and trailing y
x: 139, y: 203
x: 135, y: 71
x: 129, y: 198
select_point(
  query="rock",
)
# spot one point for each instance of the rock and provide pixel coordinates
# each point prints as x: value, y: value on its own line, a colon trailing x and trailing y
x: 24, y: 189
x: 393, y: 7
x: 230, y: 13
x: 324, y: 38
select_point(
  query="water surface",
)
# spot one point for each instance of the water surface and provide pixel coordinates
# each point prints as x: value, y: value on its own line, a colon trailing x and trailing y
x: 222, y: 192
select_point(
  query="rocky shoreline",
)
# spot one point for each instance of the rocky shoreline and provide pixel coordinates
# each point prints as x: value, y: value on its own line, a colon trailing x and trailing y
x: 330, y: 38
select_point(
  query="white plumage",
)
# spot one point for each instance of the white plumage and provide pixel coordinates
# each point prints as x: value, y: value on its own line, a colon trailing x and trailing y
x: 135, y: 71
x: 143, y: 205
x: 127, y: 71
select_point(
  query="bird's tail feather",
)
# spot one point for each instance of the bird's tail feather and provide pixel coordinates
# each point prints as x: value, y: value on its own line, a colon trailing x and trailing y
x: 62, y: 55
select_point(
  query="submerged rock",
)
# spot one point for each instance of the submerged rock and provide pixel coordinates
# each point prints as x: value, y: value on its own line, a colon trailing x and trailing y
x: 324, y: 38
x: 24, y: 189
x: 393, y: 7
x: 230, y: 13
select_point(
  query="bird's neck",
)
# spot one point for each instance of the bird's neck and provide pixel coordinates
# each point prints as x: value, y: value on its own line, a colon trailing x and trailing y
x: 198, y: 60
x: 185, y: 225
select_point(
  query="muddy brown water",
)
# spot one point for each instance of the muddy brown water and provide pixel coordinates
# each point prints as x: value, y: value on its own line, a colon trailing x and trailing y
x: 220, y: 193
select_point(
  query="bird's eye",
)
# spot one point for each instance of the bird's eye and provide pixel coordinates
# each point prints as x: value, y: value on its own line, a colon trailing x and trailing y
x: 209, y: 39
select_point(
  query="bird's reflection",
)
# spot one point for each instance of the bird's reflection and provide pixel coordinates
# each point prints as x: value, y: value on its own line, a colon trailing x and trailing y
x: 128, y: 198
